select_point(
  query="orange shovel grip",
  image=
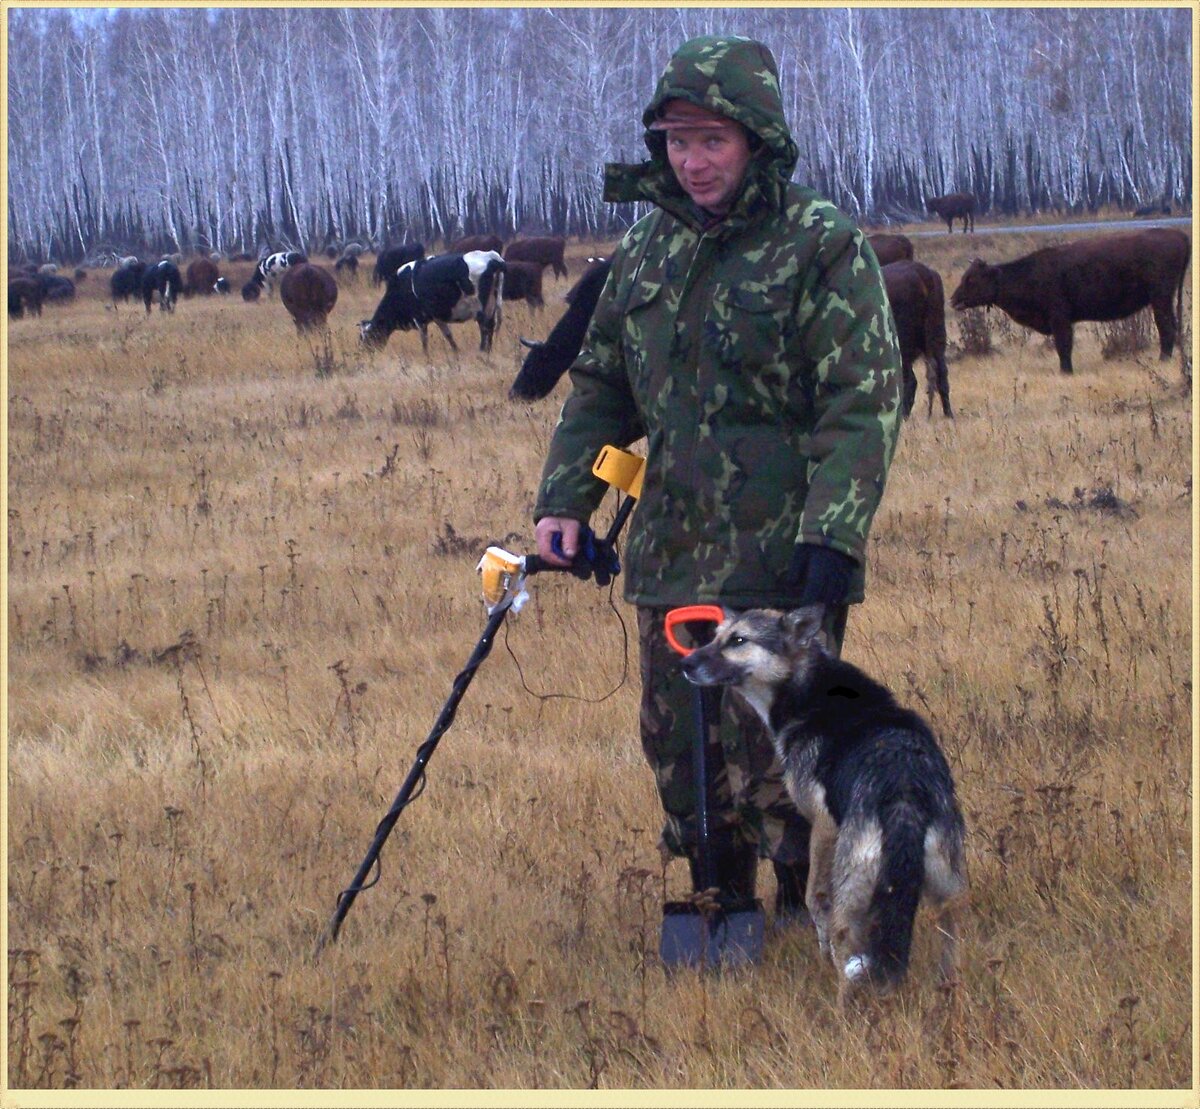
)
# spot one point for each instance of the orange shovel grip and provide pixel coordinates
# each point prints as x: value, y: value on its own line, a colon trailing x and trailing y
x: 714, y: 614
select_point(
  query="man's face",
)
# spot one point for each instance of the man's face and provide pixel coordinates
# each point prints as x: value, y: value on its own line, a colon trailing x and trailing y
x: 709, y: 163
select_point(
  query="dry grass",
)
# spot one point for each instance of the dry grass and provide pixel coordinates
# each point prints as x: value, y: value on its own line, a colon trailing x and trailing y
x: 239, y: 592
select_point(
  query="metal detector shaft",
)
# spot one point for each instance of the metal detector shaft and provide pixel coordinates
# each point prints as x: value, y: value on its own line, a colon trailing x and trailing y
x: 445, y: 718
x: 532, y: 565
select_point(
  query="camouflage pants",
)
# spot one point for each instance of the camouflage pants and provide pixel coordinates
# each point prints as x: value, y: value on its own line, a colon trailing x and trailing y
x: 745, y: 780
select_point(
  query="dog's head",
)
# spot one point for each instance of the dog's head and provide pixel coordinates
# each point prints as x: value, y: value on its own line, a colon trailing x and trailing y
x: 759, y: 651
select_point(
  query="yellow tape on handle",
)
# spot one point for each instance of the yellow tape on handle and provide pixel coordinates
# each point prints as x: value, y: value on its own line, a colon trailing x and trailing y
x: 620, y: 468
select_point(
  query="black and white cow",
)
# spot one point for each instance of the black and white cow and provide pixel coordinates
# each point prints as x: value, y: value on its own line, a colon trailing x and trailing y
x: 165, y: 280
x: 547, y: 361
x: 445, y: 289
x: 269, y: 270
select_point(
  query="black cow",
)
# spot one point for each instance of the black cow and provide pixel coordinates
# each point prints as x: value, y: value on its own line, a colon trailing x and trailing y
x: 127, y: 280
x: 448, y: 288
x: 268, y: 271
x: 25, y: 293
x: 164, y: 280
x: 919, y: 310
x: 547, y: 361
x: 954, y: 206
x: 392, y: 258
x: 55, y: 287
x: 1107, y: 277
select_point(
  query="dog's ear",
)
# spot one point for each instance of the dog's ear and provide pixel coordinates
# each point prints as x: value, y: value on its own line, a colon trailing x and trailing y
x: 803, y: 629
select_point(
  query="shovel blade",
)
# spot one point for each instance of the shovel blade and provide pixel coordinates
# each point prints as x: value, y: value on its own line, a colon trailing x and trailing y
x: 733, y: 937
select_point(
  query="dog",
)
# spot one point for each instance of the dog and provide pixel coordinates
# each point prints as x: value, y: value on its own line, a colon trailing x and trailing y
x: 869, y: 776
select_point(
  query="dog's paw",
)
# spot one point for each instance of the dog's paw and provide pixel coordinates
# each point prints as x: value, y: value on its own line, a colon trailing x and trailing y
x: 857, y: 968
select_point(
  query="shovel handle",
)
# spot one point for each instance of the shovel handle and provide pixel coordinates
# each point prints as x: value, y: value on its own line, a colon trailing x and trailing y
x: 712, y: 614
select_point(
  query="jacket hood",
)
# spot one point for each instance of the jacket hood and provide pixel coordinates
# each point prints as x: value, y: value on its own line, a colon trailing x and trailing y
x: 736, y: 77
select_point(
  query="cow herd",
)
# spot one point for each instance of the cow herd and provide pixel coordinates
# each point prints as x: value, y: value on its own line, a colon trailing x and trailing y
x: 1102, y: 278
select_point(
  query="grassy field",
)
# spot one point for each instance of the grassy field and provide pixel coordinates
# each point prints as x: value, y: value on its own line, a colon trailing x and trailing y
x: 241, y: 580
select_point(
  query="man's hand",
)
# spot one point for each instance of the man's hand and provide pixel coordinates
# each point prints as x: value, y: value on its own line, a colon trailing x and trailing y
x: 550, y: 526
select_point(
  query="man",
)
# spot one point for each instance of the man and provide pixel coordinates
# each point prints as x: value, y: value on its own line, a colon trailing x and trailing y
x: 745, y: 332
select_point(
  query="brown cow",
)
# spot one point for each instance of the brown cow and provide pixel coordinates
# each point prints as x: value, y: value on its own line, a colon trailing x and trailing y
x: 523, y: 281
x: 891, y: 248
x: 919, y: 309
x: 202, y: 275
x: 1107, y: 277
x: 954, y: 206
x: 25, y: 292
x: 309, y: 293
x: 546, y: 251
x: 476, y: 242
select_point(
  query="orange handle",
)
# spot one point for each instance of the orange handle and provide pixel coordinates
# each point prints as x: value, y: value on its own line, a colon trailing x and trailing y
x: 712, y: 613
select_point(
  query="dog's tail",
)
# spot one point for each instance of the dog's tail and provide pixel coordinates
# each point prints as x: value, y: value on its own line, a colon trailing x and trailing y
x: 897, y: 893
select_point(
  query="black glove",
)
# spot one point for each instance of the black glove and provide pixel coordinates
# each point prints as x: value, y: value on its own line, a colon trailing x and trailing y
x: 821, y: 575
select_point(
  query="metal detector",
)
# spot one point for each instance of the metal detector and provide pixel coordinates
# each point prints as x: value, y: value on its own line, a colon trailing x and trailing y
x: 706, y: 931
x: 503, y: 576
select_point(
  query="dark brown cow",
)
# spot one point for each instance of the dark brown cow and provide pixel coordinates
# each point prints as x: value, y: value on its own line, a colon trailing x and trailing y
x: 523, y: 281
x: 202, y: 274
x: 546, y: 251
x: 891, y: 248
x: 309, y: 293
x: 23, y: 293
x: 954, y: 206
x: 1104, y: 278
x: 476, y: 242
x: 919, y: 309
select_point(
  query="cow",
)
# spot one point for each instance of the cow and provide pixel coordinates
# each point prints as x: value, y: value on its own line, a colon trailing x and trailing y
x: 202, y: 277
x: 309, y: 293
x: 56, y: 287
x: 391, y: 258
x: 1163, y: 209
x: 268, y: 271
x: 444, y: 289
x: 24, y: 293
x: 954, y: 206
x: 47, y: 269
x: 919, y: 309
x: 221, y: 285
x: 477, y: 242
x: 547, y: 251
x: 1101, y: 278
x: 127, y: 280
x: 523, y: 281
x: 891, y: 248
x: 347, y: 265
x: 547, y: 361
x: 164, y: 280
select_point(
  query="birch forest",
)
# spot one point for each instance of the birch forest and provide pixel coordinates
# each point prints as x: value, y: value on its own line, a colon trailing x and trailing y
x: 236, y: 129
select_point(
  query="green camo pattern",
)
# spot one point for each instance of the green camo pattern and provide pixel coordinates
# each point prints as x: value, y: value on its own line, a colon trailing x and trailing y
x: 757, y: 357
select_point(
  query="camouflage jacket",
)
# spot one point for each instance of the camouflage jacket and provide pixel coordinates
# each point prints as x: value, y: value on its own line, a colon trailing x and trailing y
x: 755, y: 354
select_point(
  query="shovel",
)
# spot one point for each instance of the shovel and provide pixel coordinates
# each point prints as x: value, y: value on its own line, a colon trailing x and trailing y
x: 724, y: 931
